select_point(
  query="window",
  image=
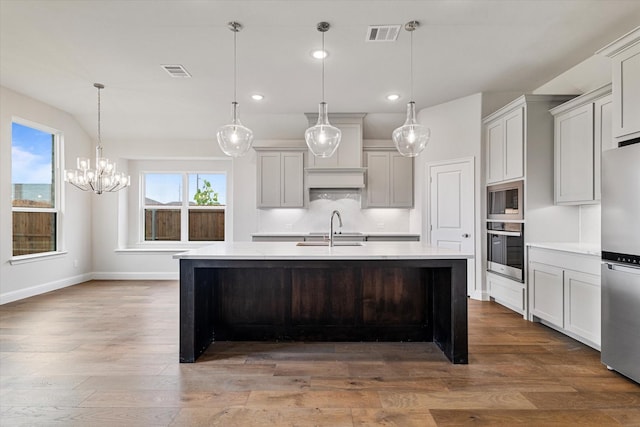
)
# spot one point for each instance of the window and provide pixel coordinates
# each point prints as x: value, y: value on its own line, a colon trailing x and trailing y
x: 184, y: 206
x: 34, y: 177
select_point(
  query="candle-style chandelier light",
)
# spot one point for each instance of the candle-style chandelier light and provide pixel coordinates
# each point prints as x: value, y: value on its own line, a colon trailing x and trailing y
x: 103, y: 178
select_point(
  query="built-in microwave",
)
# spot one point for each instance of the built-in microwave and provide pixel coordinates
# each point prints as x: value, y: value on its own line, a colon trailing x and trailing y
x: 504, y: 201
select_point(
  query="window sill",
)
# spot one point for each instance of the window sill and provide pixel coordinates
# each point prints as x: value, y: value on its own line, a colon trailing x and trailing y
x: 159, y: 250
x: 24, y: 259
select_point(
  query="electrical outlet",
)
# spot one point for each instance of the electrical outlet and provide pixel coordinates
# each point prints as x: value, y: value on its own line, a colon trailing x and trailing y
x: 288, y: 227
x: 75, y: 263
x: 380, y: 225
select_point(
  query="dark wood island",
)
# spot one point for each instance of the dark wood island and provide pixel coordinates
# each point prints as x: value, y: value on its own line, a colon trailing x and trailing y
x: 280, y: 291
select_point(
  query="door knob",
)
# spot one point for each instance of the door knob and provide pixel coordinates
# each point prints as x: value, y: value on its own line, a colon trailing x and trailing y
x: 466, y: 235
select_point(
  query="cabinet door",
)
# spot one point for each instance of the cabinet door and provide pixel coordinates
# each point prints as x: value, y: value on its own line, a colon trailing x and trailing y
x: 291, y: 183
x: 268, y: 174
x: 626, y: 93
x: 495, y: 151
x: 377, y: 179
x: 582, y: 304
x: 514, y: 144
x: 546, y: 292
x: 574, y: 155
x: 401, y: 185
x: 603, y: 136
x: 349, y: 151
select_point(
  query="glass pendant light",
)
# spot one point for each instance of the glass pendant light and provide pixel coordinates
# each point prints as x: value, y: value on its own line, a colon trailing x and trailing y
x: 411, y: 138
x: 234, y: 139
x: 104, y: 177
x: 323, y: 139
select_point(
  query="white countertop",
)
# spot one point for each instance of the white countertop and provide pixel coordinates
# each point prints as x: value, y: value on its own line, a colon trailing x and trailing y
x: 574, y: 247
x: 345, y: 233
x: 289, y: 250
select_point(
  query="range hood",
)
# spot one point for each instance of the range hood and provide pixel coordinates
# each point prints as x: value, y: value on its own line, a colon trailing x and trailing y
x: 335, y: 177
x: 343, y: 169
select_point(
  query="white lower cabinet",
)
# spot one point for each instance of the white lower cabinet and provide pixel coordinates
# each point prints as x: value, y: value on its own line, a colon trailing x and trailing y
x: 546, y: 292
x: 582, y: 305
x: 564, y: 293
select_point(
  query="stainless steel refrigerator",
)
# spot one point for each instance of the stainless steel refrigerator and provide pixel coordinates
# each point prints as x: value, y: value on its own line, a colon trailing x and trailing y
x: 621, y: 260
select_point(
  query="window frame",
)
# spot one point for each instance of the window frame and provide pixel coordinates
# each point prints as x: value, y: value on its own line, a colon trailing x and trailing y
x: 184, y: 207
x: 58, y: 188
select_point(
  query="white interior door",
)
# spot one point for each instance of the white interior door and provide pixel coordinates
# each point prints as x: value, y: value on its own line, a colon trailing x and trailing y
x: 451, y: 212
x: 452, y: 205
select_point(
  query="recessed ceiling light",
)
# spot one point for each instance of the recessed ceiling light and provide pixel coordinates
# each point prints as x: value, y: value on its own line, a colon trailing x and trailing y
x: 257, y: 97
x: 393, y: 97
x: 319, y: 54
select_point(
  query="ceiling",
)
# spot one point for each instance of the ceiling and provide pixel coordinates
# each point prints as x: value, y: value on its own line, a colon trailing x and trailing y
x: 54, y: 50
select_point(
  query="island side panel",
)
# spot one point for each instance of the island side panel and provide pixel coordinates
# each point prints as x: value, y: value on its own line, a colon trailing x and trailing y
x: 449, y: 296
x: 196, y: 303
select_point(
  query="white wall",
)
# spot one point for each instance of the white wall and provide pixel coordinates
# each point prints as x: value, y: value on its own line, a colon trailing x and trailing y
x: 592, y: 73
x: 22, y: 280
x: 456, y: 132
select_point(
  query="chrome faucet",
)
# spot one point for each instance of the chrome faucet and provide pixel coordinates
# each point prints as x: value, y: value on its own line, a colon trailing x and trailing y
x: 334, y: 213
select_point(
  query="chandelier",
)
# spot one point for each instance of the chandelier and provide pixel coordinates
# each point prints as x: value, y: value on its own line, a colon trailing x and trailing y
x: 103, y: 178
x: 411, y: 138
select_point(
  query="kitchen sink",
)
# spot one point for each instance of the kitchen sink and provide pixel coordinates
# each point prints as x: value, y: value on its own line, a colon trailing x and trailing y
x: 339, y: 233
x: 323, y: 243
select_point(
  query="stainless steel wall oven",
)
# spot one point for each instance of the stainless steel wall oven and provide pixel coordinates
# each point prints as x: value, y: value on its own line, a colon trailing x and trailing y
x: 505, y: 251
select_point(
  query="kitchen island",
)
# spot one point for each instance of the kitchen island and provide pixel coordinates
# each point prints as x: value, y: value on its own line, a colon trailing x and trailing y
x: 281, y: 291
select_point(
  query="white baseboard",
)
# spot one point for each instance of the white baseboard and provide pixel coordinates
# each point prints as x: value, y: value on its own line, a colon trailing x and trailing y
x: 109, y: 275
x: 43, y: 288
x: 479, y: 295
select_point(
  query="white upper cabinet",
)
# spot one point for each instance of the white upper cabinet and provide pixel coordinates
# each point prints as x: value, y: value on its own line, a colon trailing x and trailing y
x: 582, y: 127
x: 505, y: 146
x: 280, y: 179
x: 349, y: 152
x: 625, y: 57
x: 389, y: 180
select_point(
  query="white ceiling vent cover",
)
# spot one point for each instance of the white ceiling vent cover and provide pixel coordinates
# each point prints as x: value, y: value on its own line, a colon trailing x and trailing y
x: 176, y: 70
x: 382, y: 33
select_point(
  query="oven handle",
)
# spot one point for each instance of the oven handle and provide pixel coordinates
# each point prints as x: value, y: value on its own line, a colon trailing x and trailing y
x: 505, y: 233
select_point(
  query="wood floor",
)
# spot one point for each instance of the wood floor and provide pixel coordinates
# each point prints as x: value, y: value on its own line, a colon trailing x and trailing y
x: 105, y: 353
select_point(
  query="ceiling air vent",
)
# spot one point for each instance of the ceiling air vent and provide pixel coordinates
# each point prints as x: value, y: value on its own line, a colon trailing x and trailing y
x: 176, y: 70
x: 382, y: 33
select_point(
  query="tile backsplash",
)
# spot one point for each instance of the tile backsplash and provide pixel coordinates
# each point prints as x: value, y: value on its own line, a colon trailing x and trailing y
x: 590, y: 224
x: 321, y: 203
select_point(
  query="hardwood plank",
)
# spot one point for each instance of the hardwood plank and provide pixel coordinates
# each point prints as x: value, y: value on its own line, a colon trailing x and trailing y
x: 370, y: 417
x: 314, y: 399
x: 484, y: 417
x: 455, y: 400
x: 82, y: 417
x: 261, y: 417
x: 164, y: 399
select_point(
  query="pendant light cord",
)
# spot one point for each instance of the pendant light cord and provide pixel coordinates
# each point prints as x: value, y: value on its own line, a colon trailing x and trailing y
x: 99, y: 134
x: 324, y: 54
x: 411, y: 64
x: 235, y: 66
